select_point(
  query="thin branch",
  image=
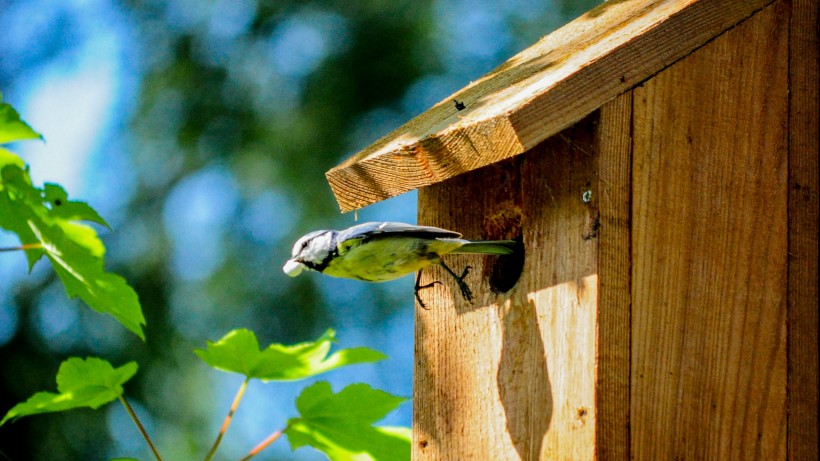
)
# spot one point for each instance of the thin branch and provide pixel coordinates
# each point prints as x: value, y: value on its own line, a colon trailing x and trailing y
x: 140, y: 427
x: 228, y: 419
x: 27, y: 246
x: 264, y: 444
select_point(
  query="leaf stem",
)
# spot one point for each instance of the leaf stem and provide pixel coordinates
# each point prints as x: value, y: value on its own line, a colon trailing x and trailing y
x: 264, y: 444
x: 228, y: 419
x: 27, y: 246
x: 139, y: 426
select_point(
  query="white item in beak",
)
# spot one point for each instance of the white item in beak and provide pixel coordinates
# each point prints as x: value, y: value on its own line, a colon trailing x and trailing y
x: 293, y: 268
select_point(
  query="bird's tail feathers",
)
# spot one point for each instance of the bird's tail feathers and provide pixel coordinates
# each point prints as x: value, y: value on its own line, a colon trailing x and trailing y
x: 487, y: 247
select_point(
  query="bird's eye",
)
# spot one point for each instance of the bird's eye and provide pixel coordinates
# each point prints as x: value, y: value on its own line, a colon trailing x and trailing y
x: 304, y: 245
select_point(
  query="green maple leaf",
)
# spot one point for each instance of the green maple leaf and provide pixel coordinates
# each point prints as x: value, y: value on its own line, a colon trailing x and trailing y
x: 90, y: 382
x: 239, y: 352
x: 341, y: 425
x: 47, y: 222
x: 12, y: 128
x: 48, y: 218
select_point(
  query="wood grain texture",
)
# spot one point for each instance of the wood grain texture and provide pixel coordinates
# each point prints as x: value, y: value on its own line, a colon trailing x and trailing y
x: 709, y: 250
x: 803, y: 216
x: 457, y: 411
x: 534, y: 95
x: 613, y: 195
x: 562, y: 283
x: 492, y: 379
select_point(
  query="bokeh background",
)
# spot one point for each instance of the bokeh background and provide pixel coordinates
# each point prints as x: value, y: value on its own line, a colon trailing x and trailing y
x: 201, y: 130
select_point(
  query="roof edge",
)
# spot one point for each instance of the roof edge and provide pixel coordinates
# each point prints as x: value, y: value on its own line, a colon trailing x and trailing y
x: 535, y: 94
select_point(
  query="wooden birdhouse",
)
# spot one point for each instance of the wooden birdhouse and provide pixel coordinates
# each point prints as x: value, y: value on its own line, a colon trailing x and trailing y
x: 658, y: 162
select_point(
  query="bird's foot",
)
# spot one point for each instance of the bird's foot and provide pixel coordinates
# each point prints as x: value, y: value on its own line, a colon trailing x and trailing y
x: 417, y: 287
x: 462, y: 285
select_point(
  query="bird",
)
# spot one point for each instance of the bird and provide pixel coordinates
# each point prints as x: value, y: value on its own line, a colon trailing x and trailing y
x: 382, y: 251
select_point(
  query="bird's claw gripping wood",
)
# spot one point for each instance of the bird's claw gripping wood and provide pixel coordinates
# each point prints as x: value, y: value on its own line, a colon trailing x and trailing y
x: 462, y: 285
x: 418, y: 288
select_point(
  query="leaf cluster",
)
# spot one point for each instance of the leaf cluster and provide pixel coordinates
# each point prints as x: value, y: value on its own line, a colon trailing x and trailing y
x: 339, y: 424
x: 48, y: 223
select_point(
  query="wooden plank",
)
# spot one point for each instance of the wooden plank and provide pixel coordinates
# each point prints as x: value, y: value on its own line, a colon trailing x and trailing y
x: 709, y: 250
x: 612, y: 196
x: 457, y: 409
x: 562, y: 282
x: 512, y: 376
x: 535, y: 94
x: 803, y: 210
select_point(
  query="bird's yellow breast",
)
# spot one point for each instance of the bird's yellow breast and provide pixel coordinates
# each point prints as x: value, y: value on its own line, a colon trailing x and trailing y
x: 379, y: 260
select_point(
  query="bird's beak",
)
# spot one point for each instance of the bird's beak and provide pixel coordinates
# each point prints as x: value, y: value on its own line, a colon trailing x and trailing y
x: 293, y: 268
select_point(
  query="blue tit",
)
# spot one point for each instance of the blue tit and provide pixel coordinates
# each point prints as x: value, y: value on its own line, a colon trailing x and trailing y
x: 381, y: 251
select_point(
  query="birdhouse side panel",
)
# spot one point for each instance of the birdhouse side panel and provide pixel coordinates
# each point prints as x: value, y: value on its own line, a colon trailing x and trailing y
x: 804, y: 143
x: 710, y: 250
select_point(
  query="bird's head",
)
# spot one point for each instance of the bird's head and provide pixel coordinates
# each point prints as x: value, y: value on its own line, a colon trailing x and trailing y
x: 312, y: 252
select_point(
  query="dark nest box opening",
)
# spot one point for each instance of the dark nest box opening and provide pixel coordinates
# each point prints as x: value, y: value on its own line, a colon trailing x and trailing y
x: 507, y: 269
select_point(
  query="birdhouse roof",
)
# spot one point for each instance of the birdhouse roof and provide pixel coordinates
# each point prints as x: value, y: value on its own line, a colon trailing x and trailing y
x: 535, y: 94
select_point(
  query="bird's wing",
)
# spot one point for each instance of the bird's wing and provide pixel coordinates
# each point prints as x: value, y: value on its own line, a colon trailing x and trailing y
x: 371, y: 230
